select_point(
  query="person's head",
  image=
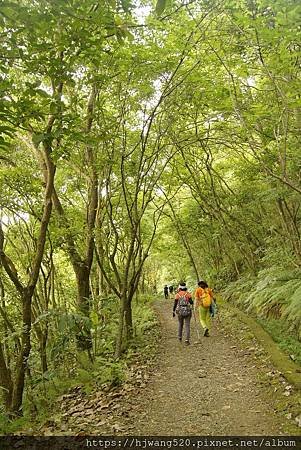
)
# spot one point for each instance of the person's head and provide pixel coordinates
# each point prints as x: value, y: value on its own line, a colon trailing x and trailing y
x: 182, y: 286
x: 203, y: 284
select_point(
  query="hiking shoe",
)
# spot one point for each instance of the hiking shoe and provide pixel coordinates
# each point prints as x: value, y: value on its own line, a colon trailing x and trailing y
x: 187, y: 342
x: 180, y: 339
x: 206, y: 333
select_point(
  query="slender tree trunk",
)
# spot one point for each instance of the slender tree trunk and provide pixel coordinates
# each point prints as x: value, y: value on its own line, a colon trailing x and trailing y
x: 128, y: 317
x: 143, y: 283
x: 24, y: 354
x: 82, y: 264
x: 120, y: 334
x: 43, y: 352
x: 83, y: 289
x: 42, y: 336
x: 27, y: 297
x: 84, y: 338
x: 290, y: 227
x: 5, y: 381
x: 26, y: 293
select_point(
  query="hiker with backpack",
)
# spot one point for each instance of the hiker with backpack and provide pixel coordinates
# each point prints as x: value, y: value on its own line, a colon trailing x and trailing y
x: 183, y: 308
x: 203, y: 303
x: 165, y: 290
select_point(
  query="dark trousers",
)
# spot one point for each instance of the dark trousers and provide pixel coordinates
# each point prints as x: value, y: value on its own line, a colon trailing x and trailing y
x: 186, y: 321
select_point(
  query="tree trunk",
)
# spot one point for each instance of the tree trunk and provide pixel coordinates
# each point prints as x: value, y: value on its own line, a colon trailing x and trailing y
x: 84, y: 338
x: 82, y: 264
x: 290, y: 227
x: 24, y: 354
x: 43, y: 354
x: 119, y: 340
x: 128, y: 317
x: 5, y: 381
x: 42, y: 336
x: 26, y: 293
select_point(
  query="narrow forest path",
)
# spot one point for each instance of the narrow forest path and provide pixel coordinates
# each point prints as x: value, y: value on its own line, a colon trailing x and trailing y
x: 224, y: 385
x: 207, y: 388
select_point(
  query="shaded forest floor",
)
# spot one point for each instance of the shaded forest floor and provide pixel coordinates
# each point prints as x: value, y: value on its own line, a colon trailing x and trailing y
x: 223, y: 385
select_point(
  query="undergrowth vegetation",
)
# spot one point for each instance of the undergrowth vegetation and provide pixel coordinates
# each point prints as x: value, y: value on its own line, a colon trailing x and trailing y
x: 274, y: 297
x: 70, y: 369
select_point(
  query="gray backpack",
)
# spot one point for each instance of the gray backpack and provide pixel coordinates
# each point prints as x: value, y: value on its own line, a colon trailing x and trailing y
x: 183, y: 307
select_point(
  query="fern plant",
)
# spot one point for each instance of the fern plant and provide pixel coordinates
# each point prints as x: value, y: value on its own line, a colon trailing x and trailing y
x: 274, y: 293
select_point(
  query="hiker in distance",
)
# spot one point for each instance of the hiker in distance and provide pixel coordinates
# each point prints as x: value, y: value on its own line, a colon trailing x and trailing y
x: 203, y: 301
x: 182, y: 307
x: 165, y: 291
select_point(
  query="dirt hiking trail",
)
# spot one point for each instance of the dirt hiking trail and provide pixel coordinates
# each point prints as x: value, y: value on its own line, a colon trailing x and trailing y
x: 207, y: 388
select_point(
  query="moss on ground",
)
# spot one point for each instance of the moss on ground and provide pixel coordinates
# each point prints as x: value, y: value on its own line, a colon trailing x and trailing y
x: 282, y: 362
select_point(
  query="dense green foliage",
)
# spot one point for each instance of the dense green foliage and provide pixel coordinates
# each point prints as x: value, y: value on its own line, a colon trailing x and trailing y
x: 141, y: 144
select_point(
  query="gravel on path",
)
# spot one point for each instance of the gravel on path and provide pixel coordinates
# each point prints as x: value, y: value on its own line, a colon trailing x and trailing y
x: 206, y: 388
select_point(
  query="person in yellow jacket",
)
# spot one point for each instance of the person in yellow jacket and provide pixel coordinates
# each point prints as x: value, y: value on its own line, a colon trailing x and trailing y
x: 203, y: 300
